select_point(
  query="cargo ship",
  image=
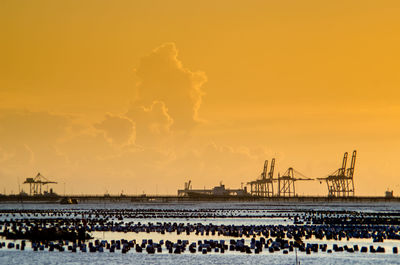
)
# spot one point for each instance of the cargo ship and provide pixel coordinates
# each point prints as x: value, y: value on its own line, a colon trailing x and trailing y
x: 216, y: 192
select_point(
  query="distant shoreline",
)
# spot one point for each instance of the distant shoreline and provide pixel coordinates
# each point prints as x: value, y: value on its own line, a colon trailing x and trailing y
x: 171, y: 198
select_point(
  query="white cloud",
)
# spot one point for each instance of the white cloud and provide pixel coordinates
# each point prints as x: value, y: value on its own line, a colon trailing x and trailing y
x: 165, y: 79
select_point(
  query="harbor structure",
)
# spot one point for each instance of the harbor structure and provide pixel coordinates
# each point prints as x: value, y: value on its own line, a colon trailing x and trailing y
x: 36, y: 184
x: 341, y: 182
x: 264, y: 186
x: 286, y: 182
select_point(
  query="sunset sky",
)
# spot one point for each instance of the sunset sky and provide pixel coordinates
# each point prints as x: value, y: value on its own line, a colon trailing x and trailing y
x: 141, y: 96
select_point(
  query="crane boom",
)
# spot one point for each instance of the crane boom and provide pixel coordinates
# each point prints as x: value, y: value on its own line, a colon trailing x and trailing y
x: 264, y: 173
x: 342, y: 170
x: 350, y: 171
x: 271, y: 171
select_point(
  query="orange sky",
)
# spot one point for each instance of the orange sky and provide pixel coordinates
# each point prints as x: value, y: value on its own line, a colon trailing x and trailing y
x: 141, y: 96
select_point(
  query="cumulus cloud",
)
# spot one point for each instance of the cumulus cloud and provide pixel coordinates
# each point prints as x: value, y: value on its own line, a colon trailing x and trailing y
x: 163, y: 78
x: 151, y: 123
x: 118, y: 129
x: 108, y: 154
x: 147, y: 144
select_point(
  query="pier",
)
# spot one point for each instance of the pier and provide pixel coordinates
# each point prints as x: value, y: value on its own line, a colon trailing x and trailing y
x: 173, y: 198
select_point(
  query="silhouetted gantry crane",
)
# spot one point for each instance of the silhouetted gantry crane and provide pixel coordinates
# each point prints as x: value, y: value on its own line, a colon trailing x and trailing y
x: 264, y: 187
x: 36, y: 183
x: 286, y: 182
x: 340, y: 183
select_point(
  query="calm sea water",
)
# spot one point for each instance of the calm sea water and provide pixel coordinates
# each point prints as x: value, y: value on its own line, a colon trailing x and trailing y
x: 263, y: 213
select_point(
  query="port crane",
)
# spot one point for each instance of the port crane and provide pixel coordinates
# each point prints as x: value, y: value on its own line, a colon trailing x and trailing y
x: 264, y: 187
x: 188, y: 185
x: 36, y: 183
x: 286, y: 182
x: 341, y: 183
